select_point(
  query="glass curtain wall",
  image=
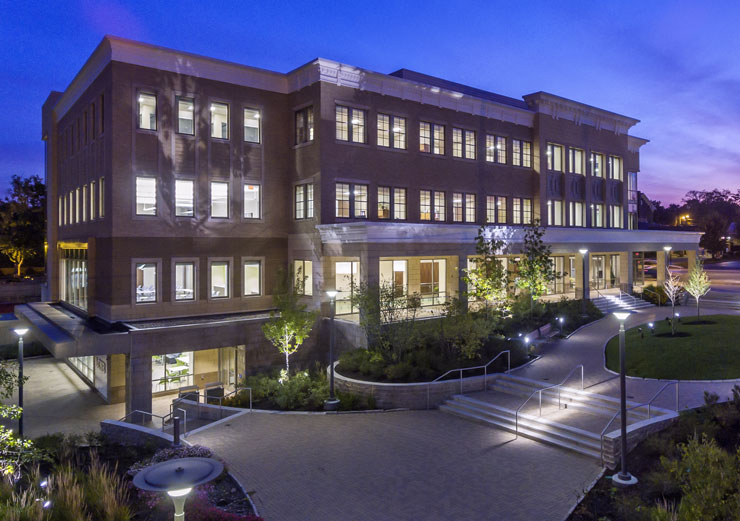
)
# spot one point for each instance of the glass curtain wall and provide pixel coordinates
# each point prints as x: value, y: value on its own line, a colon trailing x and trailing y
x: 172, y: 371
x: 433, y: 282
x: 347, y: 276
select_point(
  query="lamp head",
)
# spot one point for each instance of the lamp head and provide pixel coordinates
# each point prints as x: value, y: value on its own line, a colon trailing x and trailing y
x: 179, y: 493
x: 583, y: 251
x: 331, y: 294
x: 623, y: 314
x: 20, y: 331
x: 667, y: 248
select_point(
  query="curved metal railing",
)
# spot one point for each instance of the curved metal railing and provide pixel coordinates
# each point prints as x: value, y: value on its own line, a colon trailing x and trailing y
x: 471, y: 368
x: 539, y: 391
x: 648, y: 404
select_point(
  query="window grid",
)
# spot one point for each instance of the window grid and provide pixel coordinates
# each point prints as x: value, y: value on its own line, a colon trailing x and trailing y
x: 252, y: 125
x: 300, y: 202
x: 431, y: 138
x: 425, y: 205
x: 457, y: 207
x: 469, y: 208
x: 342, y: 200
x: 490, y: 209
x: 597, y: 164
x: 516, y: 206
x: 526, y: 211
x: 147, y: 113
x: 554, y: 157
x: 219, y: 120
x: 615, y: 168
x: 304, y: 125
x: 439, y: 206
x: 303, y: 277
x: 185, y: 116
x: 384, y: 202
x: 350, y: 124
x: 575, y: 161
x: 93, y: 194
x: 252, y: 201
x: 501, y: 209
x: 399, y: 204
x: 360, y: 197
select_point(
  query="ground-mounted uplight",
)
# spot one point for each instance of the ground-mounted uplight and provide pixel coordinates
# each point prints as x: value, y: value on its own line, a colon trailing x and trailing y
x: 623, y: 477
x: 678, y: 317
x: 177, y: 477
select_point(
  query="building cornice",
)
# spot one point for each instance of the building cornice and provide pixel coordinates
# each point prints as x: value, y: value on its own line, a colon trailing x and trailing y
x: 634, y: 143
x: 579, y: 113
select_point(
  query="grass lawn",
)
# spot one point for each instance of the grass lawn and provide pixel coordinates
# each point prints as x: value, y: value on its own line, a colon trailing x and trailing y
x: 709, y: 350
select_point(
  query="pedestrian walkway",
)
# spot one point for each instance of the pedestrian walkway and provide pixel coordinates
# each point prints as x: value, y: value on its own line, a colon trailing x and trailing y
x: 586, y: 347
x: 399, y: 466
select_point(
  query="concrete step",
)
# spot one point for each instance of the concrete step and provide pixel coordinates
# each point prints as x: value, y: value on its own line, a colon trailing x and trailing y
x: 610, y: 303
x: 529, y: 426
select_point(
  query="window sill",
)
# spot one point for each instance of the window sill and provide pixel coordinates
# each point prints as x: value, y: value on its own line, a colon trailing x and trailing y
x: 352, y: 143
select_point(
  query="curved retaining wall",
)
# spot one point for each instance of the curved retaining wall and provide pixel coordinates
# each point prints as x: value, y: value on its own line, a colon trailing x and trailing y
x: 421, y: 395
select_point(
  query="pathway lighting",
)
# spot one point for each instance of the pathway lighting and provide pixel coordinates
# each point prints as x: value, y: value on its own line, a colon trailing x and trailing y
x: 560, y: 322
x: 623, y: 478
x: 584, y: 253
x: 177, y: 477
x: 678, y: 316
x: 332, y: 403
x: 651, y: 326
x: 20, y: 331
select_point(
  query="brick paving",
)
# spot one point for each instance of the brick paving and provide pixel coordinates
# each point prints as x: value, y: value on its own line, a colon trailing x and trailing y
x: 409, y: 465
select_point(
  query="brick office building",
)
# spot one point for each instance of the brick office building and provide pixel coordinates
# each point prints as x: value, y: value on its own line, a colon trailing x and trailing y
x: 178, y: 186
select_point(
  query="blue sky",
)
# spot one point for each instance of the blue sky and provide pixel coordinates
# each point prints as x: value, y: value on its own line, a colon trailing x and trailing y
x: 671, y: 64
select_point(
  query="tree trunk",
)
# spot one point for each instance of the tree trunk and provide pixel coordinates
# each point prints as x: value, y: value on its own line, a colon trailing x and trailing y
x: 18, y: 269
x: 673, y: 317
x: 287, y: 364
x: 697, y: 309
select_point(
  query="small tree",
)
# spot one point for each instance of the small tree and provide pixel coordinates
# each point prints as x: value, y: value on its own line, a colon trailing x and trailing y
x: 14, y: 451
x: 290, y: 323
x: 673, y: 290
x: 535, y: 269
x: 698, y: 283
x: 17, y: 254
x: 488, y: 279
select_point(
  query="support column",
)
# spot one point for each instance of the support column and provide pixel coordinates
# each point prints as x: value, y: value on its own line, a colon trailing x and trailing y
x: 370, y: 269
x: 660, y: 268
x: 139, y: 387
x: 626, y: 272
x: 692, y: 257
x: 582, y: 282
x: 462, y: 288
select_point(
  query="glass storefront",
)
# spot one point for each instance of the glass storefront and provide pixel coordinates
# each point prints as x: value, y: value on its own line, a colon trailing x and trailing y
x: 394, y: 273
x: 73, y: 277
x: 85, y: 365
x: 172, y: 371
x: 433, y: 282
x: 347, y: 276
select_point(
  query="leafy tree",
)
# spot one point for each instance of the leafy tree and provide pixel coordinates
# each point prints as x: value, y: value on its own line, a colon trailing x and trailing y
x: 14, y: 451
x: 713, y: 239
x: 389, y: 320
x: 698, y: 284
x: 462, y: 332
x: 488, y: 279
x: 535, y: 269
x: 673, y: 290
x: 23, y: 220
x: 290, y: 323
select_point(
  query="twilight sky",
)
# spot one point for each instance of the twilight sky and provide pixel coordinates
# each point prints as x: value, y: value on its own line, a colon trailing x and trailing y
x: 671, y: 64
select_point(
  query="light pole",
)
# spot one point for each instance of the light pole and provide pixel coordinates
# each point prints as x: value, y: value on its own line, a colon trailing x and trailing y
x: 20, y: 331
x: 584, y: 254
x: 177, y: 477
x: 623, y: 478
x: 332, y: 403
x: 667, y: 250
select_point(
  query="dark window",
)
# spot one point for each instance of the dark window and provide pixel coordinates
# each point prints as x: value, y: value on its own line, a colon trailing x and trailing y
x: 304, y: 125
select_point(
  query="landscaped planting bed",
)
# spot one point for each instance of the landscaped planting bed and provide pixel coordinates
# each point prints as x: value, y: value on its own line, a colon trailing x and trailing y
x: 705, y: 349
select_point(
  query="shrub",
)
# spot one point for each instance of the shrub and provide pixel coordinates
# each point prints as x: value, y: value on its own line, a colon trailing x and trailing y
x: 649, y: 294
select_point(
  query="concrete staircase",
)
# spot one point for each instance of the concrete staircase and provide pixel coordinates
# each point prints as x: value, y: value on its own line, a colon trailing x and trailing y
x: 575, y: 424
x: 610, y: 303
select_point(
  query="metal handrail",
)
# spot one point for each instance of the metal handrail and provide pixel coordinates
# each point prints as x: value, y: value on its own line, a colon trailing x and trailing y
x: 146, y: 413
x: 516, y: 416
x: 172, y: 415
x: 461, y: 369
x: 600, y: 294
x: 654, y: 293
x: 648, y: 404
x: 633, y: 299
x: 220, y: 399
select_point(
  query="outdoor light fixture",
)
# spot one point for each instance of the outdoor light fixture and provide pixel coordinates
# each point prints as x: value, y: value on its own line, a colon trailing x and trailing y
x: 667, y: 248
x: 623, y: 478
x: 332, y: 403
x: 177, y: 477
x: 584, y: 253
x: 560, y: 321
x: 20, y: 331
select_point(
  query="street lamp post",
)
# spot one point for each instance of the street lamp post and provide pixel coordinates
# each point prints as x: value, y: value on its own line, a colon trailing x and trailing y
x: 332, y: 403
x: 584, y: 254
x: 177, y: 477
x: 667, y: 250
x: 20, y: 331
x: 623, y: 478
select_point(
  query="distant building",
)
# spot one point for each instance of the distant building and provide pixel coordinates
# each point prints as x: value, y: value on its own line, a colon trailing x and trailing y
x: 179, y: 185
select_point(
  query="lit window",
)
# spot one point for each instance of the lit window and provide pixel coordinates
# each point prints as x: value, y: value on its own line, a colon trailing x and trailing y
x: 501, y: 209
x: 597, y: 216
x: 92, y: 200
x: 185, y: 116
x: 84, y: 203
x: 425, y: 205
x: 303, y: 277
x: 577, y: 214
x: 554, y: 157
x: 101, y: 197
x: 384, y: 202
x: 220, y: 279
x: 597, y: 164
x: 252, y: 278
x: 399, y: 203
x: 147, y: 107
x: 463, y: 143
x: 469, y: 208
x: 146, y: 282
x: 77, y: 205
x: 439, y: 206
x: 576, y: 161
x: 220, y: 120
x: 251, y: 201
x: 490, y: 209
x: 219, y: 199
x: 184, y: 198
x: 350, y: 124
x: 304, y: 125
x: 360, y: 195
x: 184, y: 281
x: 521, y: 153
x: 457, y: 207
x: 146, y: 196
x: 342, y: 200
x: 615, y: 168
x: 309, y: 201
x: 526, y: 211
x: 252, y: 125
x: 496, y: 149
x: 391, y: 131
x: 431, y: 138
x: 304, y: 201
x: 616, y: 216
x: 516, y: 204
x: 555, y: 213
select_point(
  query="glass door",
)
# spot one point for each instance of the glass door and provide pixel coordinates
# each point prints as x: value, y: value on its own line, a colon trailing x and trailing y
x: 598, y: 277
x: 614, y: 271
x: 433, y: 282
x: 346, y: 276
